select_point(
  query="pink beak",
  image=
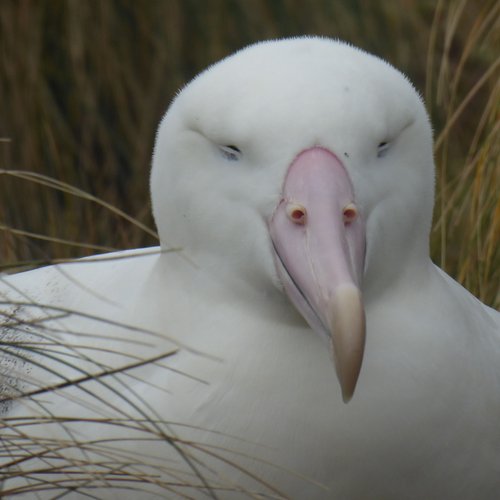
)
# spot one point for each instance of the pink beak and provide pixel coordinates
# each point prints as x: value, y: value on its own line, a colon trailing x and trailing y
x: 319, y: 243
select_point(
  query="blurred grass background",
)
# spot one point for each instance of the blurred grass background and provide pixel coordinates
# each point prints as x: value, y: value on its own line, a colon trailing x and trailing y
x: 84, y: 83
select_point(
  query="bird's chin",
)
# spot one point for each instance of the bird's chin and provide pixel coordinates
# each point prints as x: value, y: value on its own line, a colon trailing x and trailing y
x: 339, y: 320
x: 297, y: 297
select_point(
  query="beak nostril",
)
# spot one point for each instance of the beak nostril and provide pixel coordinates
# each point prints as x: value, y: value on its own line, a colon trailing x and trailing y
x: 350, y: 213
x: 296, y: 213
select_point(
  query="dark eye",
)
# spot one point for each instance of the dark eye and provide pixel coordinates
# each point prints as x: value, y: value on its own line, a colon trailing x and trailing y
x: 230, y: 152
x: 382, y: 148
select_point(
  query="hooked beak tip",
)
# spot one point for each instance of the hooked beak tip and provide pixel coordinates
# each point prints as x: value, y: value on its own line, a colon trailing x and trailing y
x: 347, y: 325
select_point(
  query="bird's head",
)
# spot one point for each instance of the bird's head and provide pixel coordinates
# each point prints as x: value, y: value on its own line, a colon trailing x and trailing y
x: 304, y: 163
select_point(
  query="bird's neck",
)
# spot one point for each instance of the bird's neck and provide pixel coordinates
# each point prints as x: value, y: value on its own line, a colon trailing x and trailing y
x: 397, y: 270
x: 206, y: 276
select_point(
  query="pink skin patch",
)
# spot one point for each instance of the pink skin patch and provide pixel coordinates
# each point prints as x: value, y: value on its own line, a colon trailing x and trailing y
x: 319, y: 240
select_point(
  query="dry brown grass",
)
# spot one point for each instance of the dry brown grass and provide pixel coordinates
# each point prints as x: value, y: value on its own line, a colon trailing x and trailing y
x: 467, y: 223
x: 83, y: 85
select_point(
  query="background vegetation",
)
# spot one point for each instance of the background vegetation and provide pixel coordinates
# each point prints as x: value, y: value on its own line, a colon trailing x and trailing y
x: 83, y: 84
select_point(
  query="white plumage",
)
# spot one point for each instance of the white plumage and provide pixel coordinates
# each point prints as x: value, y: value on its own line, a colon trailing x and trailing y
x: 304, y: 164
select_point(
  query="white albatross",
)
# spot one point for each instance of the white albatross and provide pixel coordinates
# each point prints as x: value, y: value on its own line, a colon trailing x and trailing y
x: 295, y: 175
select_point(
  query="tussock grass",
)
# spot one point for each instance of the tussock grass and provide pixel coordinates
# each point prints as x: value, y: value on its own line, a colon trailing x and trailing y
x: 83, y: 86
x: 465, y: 90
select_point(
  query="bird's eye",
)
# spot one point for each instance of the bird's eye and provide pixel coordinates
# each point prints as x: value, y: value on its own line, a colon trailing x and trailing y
x: 230, y: 152
x: 382, y: 148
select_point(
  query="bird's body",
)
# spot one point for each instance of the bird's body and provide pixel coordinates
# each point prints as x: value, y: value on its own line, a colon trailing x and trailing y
x: 246, y: 397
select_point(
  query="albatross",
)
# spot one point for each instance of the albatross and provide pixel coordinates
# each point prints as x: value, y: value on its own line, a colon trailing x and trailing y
x: 291, y: 337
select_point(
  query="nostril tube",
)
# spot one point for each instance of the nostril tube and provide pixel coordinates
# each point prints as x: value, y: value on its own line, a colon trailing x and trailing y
x: 296, y: 213
x: 350, y: 213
